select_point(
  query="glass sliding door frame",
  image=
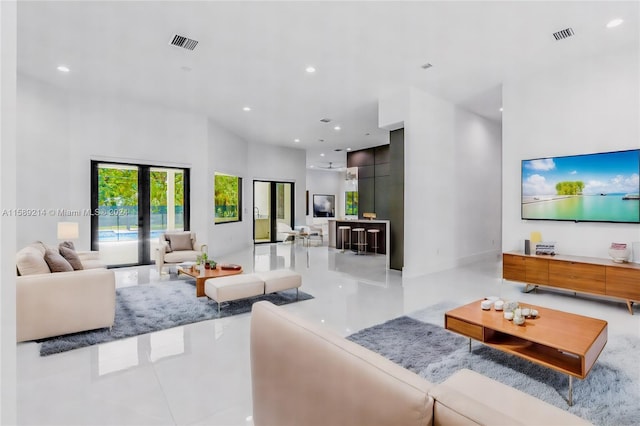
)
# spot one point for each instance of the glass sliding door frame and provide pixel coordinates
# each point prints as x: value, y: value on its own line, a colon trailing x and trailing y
x: 273, y: 208
x: 144, y: 207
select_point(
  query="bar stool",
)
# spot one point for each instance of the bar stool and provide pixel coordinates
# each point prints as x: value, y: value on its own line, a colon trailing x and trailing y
x: 344, y: 231
x: 375, y: 233
x: 361, y: 244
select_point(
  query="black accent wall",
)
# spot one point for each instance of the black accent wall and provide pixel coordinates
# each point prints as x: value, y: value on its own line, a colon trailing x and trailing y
x: 381, y: 188
x: 396, y: 199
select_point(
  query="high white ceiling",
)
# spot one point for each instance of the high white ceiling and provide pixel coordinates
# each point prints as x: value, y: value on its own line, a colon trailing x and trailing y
x: 255, y: 54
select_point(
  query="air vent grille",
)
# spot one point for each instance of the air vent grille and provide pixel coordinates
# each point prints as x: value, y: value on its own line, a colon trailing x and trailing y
x: 184, y: 42
x: 561, y: 35
x: 325, y: 120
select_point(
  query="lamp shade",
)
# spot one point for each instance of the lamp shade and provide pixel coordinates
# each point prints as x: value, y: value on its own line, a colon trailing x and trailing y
x: 68, y: 230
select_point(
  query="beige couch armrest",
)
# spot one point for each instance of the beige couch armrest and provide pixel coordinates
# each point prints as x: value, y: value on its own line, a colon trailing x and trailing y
x: 88, y: 255
x: 90, y: 259
x: 486, y: 401
x: 64, y: 302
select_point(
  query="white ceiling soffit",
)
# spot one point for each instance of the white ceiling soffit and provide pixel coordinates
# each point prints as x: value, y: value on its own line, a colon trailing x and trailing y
x: 254, y: 54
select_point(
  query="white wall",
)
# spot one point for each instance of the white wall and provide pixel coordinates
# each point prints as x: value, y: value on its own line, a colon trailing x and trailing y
x: 269, y: 162
x: 54, y: 159
x: 228, y: 154
x: 328, y: 183
x: 452, y: 181
x: 8, y: 42
x: 578, y: 108
x: 59, y: 133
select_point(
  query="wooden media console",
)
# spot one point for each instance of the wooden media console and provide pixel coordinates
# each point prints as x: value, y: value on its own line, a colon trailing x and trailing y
x: 575, y: 273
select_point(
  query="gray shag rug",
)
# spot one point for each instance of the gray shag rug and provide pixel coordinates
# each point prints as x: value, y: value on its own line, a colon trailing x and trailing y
x: 147, y: 308
x: 608, y: 396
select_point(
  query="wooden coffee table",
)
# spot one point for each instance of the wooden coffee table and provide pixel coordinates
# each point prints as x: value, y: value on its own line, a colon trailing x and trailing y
x: 565, y: 342
x: 204, y: 274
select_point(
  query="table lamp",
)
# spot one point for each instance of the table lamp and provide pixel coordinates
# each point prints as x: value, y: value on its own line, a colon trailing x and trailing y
x: 68, y: 231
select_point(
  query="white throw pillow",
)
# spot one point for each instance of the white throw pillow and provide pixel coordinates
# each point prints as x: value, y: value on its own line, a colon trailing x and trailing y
x: 30, y: 261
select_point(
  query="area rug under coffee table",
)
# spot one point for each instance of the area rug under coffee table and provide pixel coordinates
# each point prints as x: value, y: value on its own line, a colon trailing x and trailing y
x: 146, y: 308
x: 608, y: 396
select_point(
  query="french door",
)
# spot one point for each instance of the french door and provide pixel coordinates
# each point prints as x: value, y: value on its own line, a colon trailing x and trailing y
x: 273, y: 203
x: 133, y: 204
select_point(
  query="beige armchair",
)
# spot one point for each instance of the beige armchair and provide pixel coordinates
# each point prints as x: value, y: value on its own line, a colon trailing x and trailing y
x: 176, y: 247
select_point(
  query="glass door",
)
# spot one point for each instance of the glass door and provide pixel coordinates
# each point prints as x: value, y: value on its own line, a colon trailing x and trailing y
x: 117, y: 218
x: 166, y: 207
x: 262, y: 212
x: 272, y: 205
x: 135, y: 204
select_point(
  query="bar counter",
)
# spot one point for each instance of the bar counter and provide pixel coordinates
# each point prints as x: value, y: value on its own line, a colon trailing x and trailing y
x: 335, y: 238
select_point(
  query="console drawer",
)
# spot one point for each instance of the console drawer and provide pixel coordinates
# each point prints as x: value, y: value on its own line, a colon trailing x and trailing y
x: 513, y: 267
x: 622, y: 282
x: 467, y: 329
x: 583, y: 277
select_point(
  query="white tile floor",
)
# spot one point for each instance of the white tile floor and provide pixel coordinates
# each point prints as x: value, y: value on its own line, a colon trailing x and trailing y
x: 199, y: 374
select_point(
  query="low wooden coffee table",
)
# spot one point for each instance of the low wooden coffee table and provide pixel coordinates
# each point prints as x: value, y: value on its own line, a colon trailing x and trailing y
x: 204, y: 274
x: 565, y: 342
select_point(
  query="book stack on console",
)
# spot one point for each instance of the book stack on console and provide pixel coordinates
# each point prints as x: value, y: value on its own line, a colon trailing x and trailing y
x: 548, y: 248
x: 618, y: 246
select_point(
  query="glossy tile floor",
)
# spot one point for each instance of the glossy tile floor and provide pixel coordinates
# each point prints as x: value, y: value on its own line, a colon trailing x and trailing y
x: 199, y: 374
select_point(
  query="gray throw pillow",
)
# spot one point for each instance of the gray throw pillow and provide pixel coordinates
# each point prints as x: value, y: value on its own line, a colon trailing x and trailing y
x: 56, y: 262
x: 168, y: 248
x: 68, y: 244
x: 71, y: 256
x: 180, y: 241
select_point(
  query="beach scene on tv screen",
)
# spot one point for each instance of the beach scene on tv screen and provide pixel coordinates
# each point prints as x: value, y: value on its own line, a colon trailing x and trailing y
x: 594, y: 187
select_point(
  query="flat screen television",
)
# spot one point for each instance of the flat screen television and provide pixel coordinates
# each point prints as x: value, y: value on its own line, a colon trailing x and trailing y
x: 601, y: 187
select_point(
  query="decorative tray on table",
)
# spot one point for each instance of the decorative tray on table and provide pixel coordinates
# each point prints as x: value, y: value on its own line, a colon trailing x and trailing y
x: 230, y: 266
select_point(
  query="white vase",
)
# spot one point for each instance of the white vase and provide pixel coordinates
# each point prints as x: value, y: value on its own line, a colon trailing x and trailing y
x: 619, y: 255
x: 636, y: 251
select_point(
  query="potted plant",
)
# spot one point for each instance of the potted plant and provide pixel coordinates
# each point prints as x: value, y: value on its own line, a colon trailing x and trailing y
x: 205, y: 260
x: 212, y: 264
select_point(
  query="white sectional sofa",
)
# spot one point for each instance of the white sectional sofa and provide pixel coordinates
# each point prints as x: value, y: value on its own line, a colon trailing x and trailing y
x: 55, y: 303
x: 302, y: 374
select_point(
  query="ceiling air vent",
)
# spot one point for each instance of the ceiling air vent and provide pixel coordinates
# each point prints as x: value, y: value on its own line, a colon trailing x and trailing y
x: 184, y: 42
x: 561, y: 35
x: 325, y: 120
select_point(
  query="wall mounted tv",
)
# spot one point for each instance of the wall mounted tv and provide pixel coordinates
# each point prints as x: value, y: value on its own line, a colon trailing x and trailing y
x: 602, y: 187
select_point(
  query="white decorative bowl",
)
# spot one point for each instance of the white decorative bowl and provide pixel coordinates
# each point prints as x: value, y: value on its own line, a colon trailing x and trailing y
x: 619, y: 255
x: 486, y: 304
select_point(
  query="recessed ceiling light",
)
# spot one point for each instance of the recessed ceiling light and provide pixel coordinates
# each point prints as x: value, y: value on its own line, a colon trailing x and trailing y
x: 322, y: 155
x: 310, y: 69
x: 246, y: 109
x: 320, y: 140
x: 63, y: 68
x: 614, y: 23
x: 336, y: 128
x: 311, y: 166
x: 296, y: 140
x: 348, y: 149
x: 500, y: 109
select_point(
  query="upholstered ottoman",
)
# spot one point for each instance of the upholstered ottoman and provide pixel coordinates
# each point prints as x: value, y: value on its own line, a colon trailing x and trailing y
x: 233, y: 287
x: 280, y: 279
